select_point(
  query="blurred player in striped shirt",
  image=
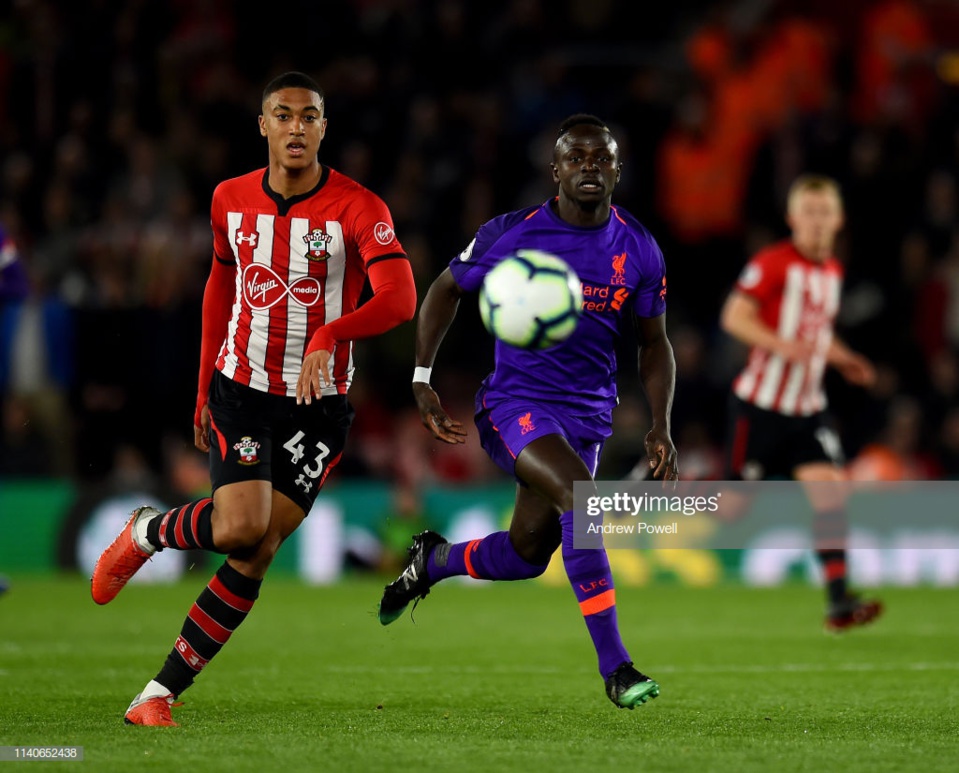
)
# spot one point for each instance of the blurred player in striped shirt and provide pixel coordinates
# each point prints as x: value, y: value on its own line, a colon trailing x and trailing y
x: 784, y: 307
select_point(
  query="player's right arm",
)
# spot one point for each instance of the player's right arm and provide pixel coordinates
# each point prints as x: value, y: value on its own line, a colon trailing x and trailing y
x: 435, y: 317
x: 740, y: 318
x: 218, y: 297
x: 217, y: 302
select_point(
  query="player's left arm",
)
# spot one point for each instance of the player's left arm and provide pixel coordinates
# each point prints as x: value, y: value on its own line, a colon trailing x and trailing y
x: 393, y: 302
x: 657, y: 372
x: 852, y: 366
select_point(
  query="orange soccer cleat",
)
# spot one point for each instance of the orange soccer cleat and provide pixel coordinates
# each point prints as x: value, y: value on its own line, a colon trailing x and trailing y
x: 119, y: 562
x: 851, y: 612
x: 154, y: 712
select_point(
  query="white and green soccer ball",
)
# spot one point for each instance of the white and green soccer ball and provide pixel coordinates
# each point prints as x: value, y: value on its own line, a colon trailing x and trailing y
x: 531, y: 299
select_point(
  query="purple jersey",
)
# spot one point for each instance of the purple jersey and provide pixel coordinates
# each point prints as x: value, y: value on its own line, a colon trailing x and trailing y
x: 621, y: 269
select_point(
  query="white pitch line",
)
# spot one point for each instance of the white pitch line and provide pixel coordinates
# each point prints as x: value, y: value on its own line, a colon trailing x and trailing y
x: 803, y: 668
x: 726, y: 668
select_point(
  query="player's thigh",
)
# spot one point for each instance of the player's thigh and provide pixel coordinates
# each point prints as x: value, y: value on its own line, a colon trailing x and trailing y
x: 242, y: 510
x: 550, y: 466
x: 816, y: 446
x: 307, y: 444
x: 285, y: 517
x: 241, y: 447
x: 825, y: 485
x: 755, y: 444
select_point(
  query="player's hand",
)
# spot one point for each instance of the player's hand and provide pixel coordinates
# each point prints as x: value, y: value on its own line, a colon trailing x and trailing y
x: 314, y: 375
x: 201, y: 433
x: 662, y: 456
x: 434, y: 418
x: 798, y: 351
x: 857, y: 370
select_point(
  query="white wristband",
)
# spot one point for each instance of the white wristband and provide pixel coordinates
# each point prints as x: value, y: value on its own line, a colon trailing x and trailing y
x: 422, y: 375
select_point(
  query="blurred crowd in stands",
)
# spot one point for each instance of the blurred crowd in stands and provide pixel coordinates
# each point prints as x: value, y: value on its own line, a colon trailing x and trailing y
x: 118, y: 119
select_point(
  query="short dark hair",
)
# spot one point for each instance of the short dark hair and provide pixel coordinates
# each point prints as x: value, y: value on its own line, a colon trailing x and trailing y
x: 292, y: 80
x: 817, y: 183
x: 579, y: 119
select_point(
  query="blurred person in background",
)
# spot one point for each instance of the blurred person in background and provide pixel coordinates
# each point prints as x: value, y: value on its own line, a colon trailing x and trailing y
x: 35, y: 370
x: 294, y: 244
x: 783, y: 307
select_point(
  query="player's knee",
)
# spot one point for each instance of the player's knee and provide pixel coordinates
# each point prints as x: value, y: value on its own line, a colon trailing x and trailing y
x: 532, y: 570
x: 240, y: 531
x: 535, y: 548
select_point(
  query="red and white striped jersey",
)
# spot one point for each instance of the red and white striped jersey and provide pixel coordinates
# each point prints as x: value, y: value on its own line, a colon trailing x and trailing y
x: 799, y: 299
x: 301, y: 263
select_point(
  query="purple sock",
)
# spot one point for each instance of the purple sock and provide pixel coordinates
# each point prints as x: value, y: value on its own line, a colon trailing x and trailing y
x: 592, y: 582
x: 491, y: 558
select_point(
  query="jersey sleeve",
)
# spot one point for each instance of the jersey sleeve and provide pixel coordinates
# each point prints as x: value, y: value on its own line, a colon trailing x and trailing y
x: 374, y: 235
x: 468, y: 268
x: 222, y: 249
x: 761, y: 277
x: 493, y: 240
x: 650, y: 298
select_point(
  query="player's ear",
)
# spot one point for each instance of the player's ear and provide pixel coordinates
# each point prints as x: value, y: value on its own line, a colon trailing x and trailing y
x: 553, y: 168
x: 262, y: 121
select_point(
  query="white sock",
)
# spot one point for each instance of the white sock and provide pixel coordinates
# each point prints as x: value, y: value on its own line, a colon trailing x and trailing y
x: 140, y: 534
x: 154, y: 689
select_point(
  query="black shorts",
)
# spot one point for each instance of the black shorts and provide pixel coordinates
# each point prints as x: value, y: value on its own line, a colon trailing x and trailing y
x: 765, y: 444
x: 258, y: 436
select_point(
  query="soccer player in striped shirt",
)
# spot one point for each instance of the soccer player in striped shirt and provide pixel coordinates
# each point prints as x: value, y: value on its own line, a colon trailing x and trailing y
x: 543, y: 416
x: 293, y: 245
x: 783, y: 307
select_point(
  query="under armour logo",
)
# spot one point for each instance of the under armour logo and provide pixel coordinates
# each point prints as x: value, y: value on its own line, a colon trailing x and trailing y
x: 247, y: 238
x: 264, y: 288
x: 306, y: 484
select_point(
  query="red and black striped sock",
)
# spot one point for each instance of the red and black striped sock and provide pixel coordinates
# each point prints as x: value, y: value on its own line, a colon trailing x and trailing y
x: 189, y: 527
x: 217, y: 612
x: 830, y: 534
x: 834, y: 570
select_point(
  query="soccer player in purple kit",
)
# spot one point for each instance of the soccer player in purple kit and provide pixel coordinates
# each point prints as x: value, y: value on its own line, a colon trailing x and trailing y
x: 543, y: 416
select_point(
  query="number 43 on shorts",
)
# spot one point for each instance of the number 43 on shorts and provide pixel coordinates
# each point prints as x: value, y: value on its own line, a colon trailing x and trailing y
x: 312, y: 469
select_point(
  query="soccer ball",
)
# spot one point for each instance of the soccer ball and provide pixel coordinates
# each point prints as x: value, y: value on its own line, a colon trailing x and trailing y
x: 531, y: 299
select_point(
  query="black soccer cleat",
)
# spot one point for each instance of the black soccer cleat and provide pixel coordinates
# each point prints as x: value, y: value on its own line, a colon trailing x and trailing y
x: 413, y: 584
x: 851, y: 612
x: 627, y: 687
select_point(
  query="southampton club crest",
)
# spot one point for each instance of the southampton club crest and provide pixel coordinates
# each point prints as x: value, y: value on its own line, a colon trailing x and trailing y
x: 247, y: 447
x: 317, y: 241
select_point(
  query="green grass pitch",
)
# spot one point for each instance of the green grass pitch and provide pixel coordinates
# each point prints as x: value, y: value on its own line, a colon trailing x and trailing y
x: 500, y: 678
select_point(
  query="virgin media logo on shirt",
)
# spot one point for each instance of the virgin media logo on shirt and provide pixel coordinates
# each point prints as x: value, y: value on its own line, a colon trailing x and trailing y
x: 263, y: 288
x: 383, y: 233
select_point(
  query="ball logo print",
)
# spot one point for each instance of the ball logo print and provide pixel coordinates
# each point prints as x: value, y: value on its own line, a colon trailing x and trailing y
x: 531, y: 299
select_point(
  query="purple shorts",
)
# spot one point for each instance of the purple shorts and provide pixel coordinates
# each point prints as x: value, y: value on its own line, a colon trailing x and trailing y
x: 508, y: 424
